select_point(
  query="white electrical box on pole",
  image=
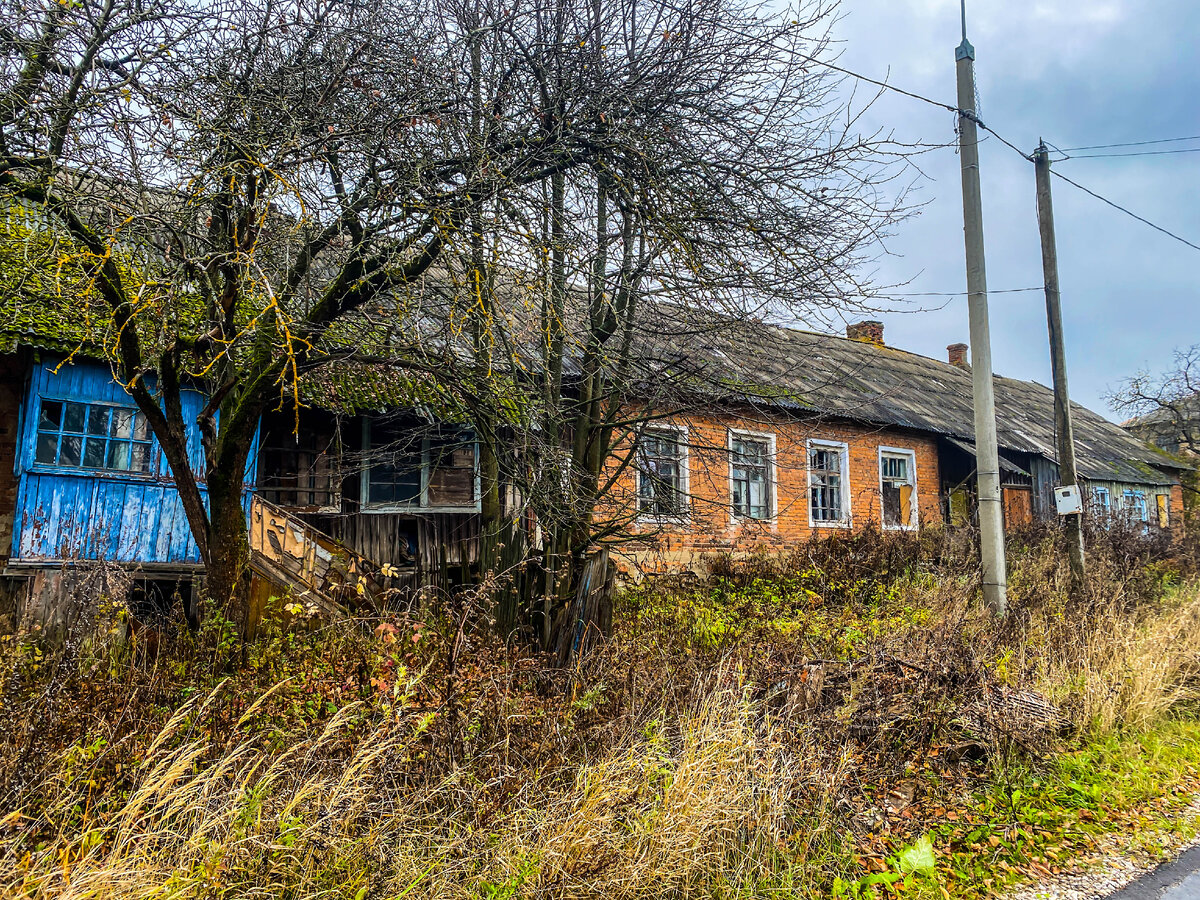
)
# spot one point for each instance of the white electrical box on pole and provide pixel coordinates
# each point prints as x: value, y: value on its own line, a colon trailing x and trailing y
x: 1058, y: 363
x: 987, y: 460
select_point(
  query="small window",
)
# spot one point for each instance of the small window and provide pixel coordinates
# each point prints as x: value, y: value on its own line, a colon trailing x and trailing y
x: 750, y: 476
x: 1102, y: 500
x: 92, y: 436
x: 897, y: 484
x: 660, y: 462
x: 415, y: 472
x: 1135, y: 506
x: 826, y: 473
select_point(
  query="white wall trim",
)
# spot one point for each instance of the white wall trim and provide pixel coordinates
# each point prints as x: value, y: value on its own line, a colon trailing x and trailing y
x: 847, y: 509
x: 772, y: 481
x: 685, y: 477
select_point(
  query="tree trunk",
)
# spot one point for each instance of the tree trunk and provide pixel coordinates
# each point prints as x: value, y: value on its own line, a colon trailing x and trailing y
x: 228, y: 564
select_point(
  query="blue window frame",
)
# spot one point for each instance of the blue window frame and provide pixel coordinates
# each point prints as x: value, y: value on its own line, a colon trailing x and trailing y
x: 1135, y: 506
x: 419, y: 472
x: 99, y: 436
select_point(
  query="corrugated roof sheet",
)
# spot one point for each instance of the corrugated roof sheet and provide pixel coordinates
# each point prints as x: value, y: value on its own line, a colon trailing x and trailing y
x: 835, y: 376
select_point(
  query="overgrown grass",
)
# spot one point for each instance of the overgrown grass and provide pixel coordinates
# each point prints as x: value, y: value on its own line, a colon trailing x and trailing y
x: 842, y: 721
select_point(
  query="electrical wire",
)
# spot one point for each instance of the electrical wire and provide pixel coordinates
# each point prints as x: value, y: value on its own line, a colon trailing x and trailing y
x: 1134, y: 153
x: 1028, y: 156
x: 961, y: 293
x: 1126, y: 211
x: 1195, y: 137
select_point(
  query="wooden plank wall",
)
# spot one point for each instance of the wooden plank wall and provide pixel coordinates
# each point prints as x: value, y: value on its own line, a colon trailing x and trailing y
x: 65, y: 513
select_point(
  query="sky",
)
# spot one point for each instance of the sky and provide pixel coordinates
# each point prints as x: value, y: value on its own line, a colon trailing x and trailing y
x: 1075, y: 72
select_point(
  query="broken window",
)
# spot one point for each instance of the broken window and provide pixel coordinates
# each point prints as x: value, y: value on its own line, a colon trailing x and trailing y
x: 412, y: 471
x: 299, y: 468
x: 750, y: 476
x: 826, y: 472
x: 897, y: 481
x: 92, y: 436
x: 660, y: 459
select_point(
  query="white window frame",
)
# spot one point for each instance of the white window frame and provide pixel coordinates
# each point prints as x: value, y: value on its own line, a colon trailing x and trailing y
x: 685, y: 477
x: 844, y: 453
x: 772, y: 482
x: 915, y: 511
x: 366, y: 506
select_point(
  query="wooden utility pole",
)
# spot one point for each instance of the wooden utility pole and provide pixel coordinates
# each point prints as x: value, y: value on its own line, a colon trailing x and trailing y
x: 1058, y: 361
x: 987, y: 458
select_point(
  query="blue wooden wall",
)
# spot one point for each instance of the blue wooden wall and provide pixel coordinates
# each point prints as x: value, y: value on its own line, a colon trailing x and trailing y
x: 71, y: 513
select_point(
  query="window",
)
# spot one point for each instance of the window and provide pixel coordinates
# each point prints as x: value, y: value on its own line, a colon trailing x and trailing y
x: 1135, y: 506
x: 419, y: 472
x: 826, y: 473
x: 300, y: 469
x: 897, y: 486
x: 92, y: 436
x: 1102, y: 500
x: 750, y: 475
x: 661, y: 462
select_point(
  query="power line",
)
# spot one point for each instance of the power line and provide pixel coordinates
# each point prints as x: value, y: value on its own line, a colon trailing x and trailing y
x: 961, y: 293
x: 1195, y: 137
x: 946, y: 106
x: 1134, y: 153
x: 1126, y: 211
x: 1015, y: 148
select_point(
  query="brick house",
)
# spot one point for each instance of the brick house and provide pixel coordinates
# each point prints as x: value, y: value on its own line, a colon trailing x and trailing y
x: 782, y: 435
x: 820, y: 433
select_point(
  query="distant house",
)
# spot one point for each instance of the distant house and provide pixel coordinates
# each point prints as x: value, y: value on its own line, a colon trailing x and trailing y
x: 1175, y: 428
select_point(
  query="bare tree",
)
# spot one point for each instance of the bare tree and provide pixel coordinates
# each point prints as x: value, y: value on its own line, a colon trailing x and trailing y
x: 1165, y: 405
x: 248, y: 188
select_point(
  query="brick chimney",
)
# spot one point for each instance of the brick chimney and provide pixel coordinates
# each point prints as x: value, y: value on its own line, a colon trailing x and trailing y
x: 870, y: 331
x: 957, y: 355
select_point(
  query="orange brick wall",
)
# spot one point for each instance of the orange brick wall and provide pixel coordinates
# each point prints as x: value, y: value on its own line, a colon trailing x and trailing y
x: 710, y: 526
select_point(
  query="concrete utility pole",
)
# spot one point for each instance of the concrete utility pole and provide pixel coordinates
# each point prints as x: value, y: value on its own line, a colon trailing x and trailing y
x: 987, y: 460
x: 1058, y: 360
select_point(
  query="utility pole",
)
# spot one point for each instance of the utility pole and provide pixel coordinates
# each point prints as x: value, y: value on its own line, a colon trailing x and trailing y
x: 987, y: 460
x: 1058, y: 359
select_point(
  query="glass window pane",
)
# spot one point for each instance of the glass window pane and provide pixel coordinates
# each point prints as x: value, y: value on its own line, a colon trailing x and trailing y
x: 141, y: 458
x: 70, y: 450
x: 93, y: 453
x: 51, y: 415
x: 379, y: 490
x: 98, y: 420
x: 122, y: 423
x: 141, y: 428
x: 73, y: 417
x: 47, y: 449
x: 118, y: 455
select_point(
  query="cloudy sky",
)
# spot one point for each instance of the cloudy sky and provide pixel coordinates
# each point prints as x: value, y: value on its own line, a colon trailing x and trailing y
x: 1076, y: 72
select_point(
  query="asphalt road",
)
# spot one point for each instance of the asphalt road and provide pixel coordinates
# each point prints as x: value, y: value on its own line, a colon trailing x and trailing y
x: 1176, y: 880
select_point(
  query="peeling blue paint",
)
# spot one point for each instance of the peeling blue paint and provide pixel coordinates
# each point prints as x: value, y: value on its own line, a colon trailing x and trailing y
x: 67, y: 512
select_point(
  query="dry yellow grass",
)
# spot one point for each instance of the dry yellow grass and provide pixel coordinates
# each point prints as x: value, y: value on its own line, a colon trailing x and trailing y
x: 686, y: 807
